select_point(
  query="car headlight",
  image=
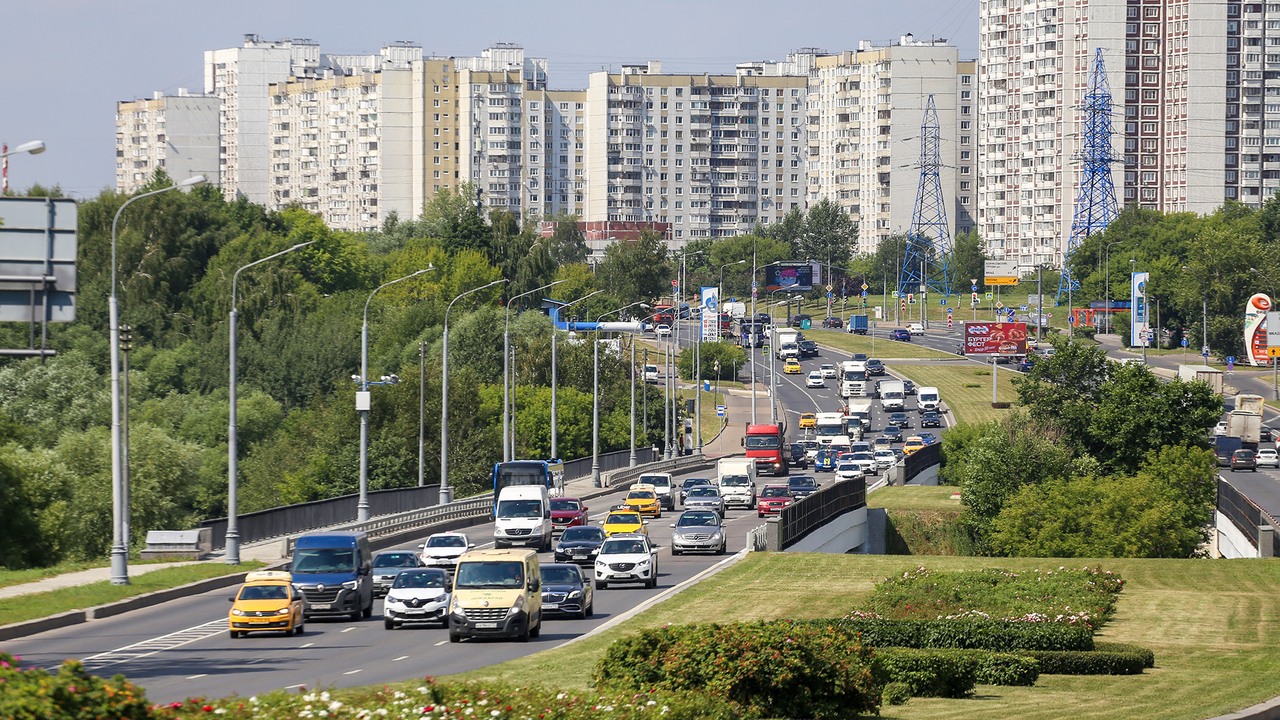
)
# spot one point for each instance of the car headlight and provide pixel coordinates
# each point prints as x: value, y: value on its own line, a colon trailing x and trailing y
x: 393, y: 600
x: 559, y: 548
x: 517, y: 606
x: 716, y: 536
x: 642, y: 563
x: 237, y: 611
x: 351, y: 584
x: 575, y: 594
x: 454, y: 605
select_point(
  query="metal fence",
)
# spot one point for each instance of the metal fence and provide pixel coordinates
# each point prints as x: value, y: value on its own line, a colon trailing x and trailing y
x: 609, y: 461
x: 817, y: 509
x: 402, y: 522
x: 921, y: 460
x: 1239, y: 510
x: 278, y: 521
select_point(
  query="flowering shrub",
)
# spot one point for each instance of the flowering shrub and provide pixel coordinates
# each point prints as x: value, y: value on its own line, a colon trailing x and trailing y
x: 1086, y: 596
x: 772, y: 669
x: 72, y: 694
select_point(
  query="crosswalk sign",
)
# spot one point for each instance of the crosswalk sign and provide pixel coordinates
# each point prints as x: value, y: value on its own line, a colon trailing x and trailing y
x: 720, y: 411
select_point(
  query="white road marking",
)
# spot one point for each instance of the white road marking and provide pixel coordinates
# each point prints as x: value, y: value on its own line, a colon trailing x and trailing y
x: 306, y: 646
x: 194, y: 677
x: 255, y: 660
x: 402, y: 657
x: 146, y: 648
x: 441, y: 643
x: 348, y: 629
x: 353, y: 672
x: 290, y: 687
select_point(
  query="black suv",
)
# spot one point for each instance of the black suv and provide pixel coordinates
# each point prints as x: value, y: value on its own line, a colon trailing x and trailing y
x: 808, y: 348
x: 798, y: 320
x: 875, y: 367
x: 832, y: 322
x: 799, y: 459
x: 900, y: 419
x: 930, y: 419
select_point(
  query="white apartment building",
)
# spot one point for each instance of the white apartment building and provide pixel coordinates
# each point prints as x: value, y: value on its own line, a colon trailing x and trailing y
x: 865, y: 112
x: 710, y: 154
x: 174, y: 133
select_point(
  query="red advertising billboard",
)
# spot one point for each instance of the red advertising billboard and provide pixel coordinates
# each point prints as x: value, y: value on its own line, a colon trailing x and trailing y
x: 995, y: 338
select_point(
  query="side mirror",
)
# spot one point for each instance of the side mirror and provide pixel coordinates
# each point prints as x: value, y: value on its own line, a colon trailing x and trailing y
x: 448, y: 587
x: 472, y: 546
x: 644, y: 522
x: 231, y: 599
x: 672, y: 525
x: 422, y: 546
x: 535, y: 584
x: 585, y: 508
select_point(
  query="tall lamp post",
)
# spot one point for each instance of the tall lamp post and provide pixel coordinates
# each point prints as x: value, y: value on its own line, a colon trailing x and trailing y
x: 508, y: 427
x: 446, y: 492
x: 35, y: 147
x: 555, y: 334
x: 595, y: 400
x: 363, y: 401
x: 1204, y: 322
x: 233, y: 532
x: 1275, y: 381
x: 119, y: 543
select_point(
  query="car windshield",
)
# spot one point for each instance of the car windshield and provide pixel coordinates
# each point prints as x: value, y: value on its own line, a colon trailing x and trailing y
x: 582, y: 534
x: 385, y: 560
x: 885, y: 454
x: 622, y: 546
x: 736, y: 480
x: 704, y: 492
x: 859, y: 357
x: 622, y: 519
x: 828, y: 367
x: 496, y: 573
x: 863, y: 456
x: 775, y: 492
x: 561, y: 575
x: 420, y: 579
x: 892, y: 429
x: 641, y: 495
x: 762, y: 442
x: 693, y: 482
x: 560, y: 504
x: 846, y: 467
x: 264, y: 592
x: 323, y: 560
x: 697, y: 520
x: 829, y: 430
x: 802, y: 482
x: 655, y: 480
x: 520, y: 508
x: 446, y: 541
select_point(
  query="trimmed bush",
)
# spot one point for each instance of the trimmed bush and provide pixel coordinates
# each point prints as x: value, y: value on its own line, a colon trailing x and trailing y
x: 1098, y: 662
x: 968, y: 634
x: 996, y: 668
x: 1148, y: 657
x: 772, y: 669
x: 896, y: 693
x: 72, y: 694
x: 931, y: 673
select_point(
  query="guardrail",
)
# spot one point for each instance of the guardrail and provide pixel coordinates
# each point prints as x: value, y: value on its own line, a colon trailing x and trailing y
x: 620, y: 477
x: 920, y: 460
x: 609, y: 461
x: 395, y: 524
x: 811, y: 512
x: 758, y: 539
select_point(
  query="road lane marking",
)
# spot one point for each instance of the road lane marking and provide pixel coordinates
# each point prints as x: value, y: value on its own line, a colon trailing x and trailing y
x: 146, y: 648
x: 251, y: 662
x: 441, y: 643
x: 402, y: 657
x: 306, y: 646
x: 194, y: 677
x: 290, y: 687
x: 353, y: 672
x: 349, y: 629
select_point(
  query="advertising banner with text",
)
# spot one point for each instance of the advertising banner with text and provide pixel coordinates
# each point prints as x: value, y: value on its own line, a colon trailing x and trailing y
x: 710, y: 314
x: 789, y: 276
x: 995, y: 338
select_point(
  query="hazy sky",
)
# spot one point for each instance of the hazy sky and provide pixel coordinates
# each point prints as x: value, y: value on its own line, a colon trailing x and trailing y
x: 65, y: 63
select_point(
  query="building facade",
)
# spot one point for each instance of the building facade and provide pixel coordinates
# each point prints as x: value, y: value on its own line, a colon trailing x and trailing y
x: 174, y: 133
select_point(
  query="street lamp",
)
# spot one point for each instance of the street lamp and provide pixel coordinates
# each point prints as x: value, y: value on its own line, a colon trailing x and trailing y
x: 508, y: 426
x: 555, y: 334
x: 363, y: 401
x: 1204, y: 322
x: 595, y: 399
x: 35, y: 147
x: 1106, y: 284
x: 446, y: 492
x: 233, y: 533
x: 119, y: 543
x: 751, y: 356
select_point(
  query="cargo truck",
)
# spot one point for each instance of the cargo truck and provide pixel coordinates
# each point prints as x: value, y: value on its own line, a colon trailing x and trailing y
x: 831, y: 429
x: 766, y: 447
x: 737, y: 310
x: 892, y: 394
x: 737, y: 480
x: 786, y: 343
x: 860, y: 409
x: 1245, y: 422
x: 853, y: 379
x: 1204, y: 373
x: 858, y: 324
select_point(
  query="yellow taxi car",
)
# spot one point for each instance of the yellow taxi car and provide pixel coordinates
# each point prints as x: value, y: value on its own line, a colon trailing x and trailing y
x: 267, y: 601
x: 643, y: 498
x: 624, y: 521
x: 792, y: 367
x: 912, y: 444
x: 808, y: 421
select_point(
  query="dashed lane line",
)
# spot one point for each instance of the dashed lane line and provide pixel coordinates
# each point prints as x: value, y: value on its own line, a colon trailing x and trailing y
x: 150, y: 647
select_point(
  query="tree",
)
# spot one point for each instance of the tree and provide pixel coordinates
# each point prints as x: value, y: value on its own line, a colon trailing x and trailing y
x: 828, y: 235
x: 636, y: 269
x: 967, y: 259
x: 729, y: 356
x: 453, y: 217
x: 568, y: 244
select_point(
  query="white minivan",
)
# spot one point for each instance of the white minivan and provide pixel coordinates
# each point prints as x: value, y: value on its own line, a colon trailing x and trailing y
x: 928, y: 399
x: 523, y: 517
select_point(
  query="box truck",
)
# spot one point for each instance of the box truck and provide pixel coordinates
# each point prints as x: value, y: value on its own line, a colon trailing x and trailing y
x: 858, y: 324
x: 737, y: 480
x: 892, y: 394
x: 1204, y: 373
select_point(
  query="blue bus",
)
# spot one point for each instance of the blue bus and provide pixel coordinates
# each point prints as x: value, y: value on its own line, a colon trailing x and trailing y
x: 549, y: 473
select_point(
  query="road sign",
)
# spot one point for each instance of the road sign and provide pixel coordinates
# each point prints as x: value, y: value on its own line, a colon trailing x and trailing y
x: 828, y: 295
x: 990, y: 295
x: 753, y: 294
x: 948, y: 311
x: 948, y: 321
x: 904, y: 305
x: 974, y: 288
x: 1072, y: 319
x: 753, y: 284
x: 1231, y: 366
x: 1273, y: 352
x: 894, y: 294
x: 1184, y: 342
x: 864, y: 293
x: 999, y: 306
x: 1023, y: 308
x: 1231, y: 359
x: 944, y: 302
x: 675, y: 283
x: 865, y: 287
x: 1000, y: 272
x: 720, y: 411
x: 829, y: 288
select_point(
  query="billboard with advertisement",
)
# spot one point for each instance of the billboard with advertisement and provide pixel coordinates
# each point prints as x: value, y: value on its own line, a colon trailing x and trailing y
x: 995, y: 338
x: 789, y: 276
x: 1138, y: 307
x: 710, y: 301
x: 1255, y: 329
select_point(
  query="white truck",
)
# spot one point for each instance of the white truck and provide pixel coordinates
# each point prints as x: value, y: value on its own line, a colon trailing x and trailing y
x: 1245, y: 422
x: 928, y: 399
x: 1191, y: 373
x: 737, y: 480
x: 651, y: 374
x: 830, y: 429
x: 736, y: 310
x: 860, y: 409
x: 853, y: 379
x: 786, y: 343
x: 892, y: 394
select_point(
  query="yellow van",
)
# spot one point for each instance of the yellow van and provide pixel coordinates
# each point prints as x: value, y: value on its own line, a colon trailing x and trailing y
x: 496, y: 593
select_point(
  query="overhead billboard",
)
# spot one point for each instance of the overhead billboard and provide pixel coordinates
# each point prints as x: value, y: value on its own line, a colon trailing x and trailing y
x: 995, y: 338
x: 1000, y: 272
x: 1138, y: 311
x: 789, y: 276
x: 1255, y: 329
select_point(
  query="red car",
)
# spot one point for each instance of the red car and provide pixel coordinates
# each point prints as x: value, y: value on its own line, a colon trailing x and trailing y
x: 567, y: 512
x: 772, y: 499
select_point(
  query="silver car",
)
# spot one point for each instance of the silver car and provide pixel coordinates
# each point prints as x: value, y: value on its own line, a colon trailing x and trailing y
x: 705, y: 498
x: 388, y: 564
x: 698, y: 530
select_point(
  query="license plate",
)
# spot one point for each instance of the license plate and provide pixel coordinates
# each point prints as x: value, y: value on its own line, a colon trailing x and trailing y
x: 582, y: 553
x: 414, y: 612
x: 320, y: 606
x: 487, y: 625
x: 550, y: 606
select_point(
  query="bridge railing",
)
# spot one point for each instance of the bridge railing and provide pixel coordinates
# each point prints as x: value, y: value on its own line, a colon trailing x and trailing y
x: 815, y: 510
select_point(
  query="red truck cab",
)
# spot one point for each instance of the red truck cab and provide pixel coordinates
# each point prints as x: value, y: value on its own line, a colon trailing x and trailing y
x: 767, y: 446
x: 664, y: 314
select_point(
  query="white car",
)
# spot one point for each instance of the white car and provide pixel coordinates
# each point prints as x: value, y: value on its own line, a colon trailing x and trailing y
x: 627, y: 557
x: 418, y: 595
x: 1268, y: 456
x: 442, y: 550
x: 663, y: 330
x: 849, y: 471
x: 915, y: 328
x: 815, y: 380
x: 828, y: 371
x: 1221, y: 428
x: 885, y: 459
x: 651, y: 374
x: 865, y: 461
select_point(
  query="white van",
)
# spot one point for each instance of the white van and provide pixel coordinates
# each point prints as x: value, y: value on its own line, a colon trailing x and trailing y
x: 928, y: 399
x: 523, y: 517
x: 737, y: 480
x: 661, y: 483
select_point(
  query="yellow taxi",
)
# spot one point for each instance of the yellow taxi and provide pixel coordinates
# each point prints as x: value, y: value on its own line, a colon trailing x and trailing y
x: 792, y: 367
x: 643, y: 498
x: 808, y: 421
x: 624, y: 521
x: 912, y: 444
x: 267, y: 601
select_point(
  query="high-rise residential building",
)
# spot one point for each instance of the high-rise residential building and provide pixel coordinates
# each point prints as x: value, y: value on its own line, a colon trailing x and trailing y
x: 712, y: 155
x: 865, y: 111
x: 240, y: 78
x: 174, y: 133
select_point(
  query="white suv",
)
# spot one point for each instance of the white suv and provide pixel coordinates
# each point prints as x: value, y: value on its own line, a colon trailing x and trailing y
x: 627, y: 557
x: 915, y: 328
x: 442, y: 550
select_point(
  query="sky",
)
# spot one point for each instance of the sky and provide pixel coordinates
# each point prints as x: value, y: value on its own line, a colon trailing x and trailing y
x: 67, y: 62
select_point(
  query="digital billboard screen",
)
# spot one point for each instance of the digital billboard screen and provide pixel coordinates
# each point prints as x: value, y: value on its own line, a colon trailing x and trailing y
x: 995, y: 338
x: 788, y: 276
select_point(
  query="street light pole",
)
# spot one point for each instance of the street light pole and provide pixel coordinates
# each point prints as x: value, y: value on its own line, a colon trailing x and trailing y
x: 508, y: 423
x: 446, y: 492
x: 119, y: 543
x: 232, y: 556
x: 35, y: 147
x: 555, y: 333
x: 595, y: 400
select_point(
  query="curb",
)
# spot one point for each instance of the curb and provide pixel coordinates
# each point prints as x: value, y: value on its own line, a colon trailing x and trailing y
x: 1269, y: 710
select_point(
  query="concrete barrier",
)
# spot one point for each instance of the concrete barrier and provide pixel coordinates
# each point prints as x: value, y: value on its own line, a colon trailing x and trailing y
x: 840, y: 535
x: 39, y: 625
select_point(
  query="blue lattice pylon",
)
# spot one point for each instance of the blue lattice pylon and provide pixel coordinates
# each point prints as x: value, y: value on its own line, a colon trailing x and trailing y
x: 1096, y: 200
x: 927, y: 260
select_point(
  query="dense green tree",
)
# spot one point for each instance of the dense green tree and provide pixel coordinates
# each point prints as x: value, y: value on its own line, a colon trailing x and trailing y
x: 828, y: 236
x: 968, y: 256
x: 730, y: 356
x: 568, y: 244
x: 636, y: 269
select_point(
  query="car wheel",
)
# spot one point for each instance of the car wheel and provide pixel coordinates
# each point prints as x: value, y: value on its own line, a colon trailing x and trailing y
x: 652, y: 583
x: 602, y: 585
x: 674, y: 551
x: 302, y: 627
x: 591, y: 609
x: 367, y: 612
x: 721, y: 549
x: 389, y: 624
x: 454, y: 637
x: 355, y: 614
x: 235, y: 634
x: 524, y: 636
x: 537, y: 630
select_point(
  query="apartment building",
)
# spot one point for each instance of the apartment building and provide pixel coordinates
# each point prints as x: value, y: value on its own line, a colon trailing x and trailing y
x: 174, y: 133
x: 712, y: 155
x: 865, y: 112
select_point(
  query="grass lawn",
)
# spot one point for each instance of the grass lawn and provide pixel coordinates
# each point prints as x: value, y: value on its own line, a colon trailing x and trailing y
x: 884, y: 349
x: 967, y: 404
x: 914, y: 497
x: 36, y: 605
x: 18, y: 577
x: 1213, y: 625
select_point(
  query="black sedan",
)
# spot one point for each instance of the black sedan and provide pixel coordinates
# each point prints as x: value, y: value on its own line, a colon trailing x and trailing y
x: 908, y: 387
x: 930, y: 419
x: 580, y: 545
x: 808, y: 348
x: 893, y: 432
x: 900, y: 419
x: 875, y: 367
x: 566, y: 591
x: 799, y: 459
x: 801, y: 485
x: 832, y: 322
